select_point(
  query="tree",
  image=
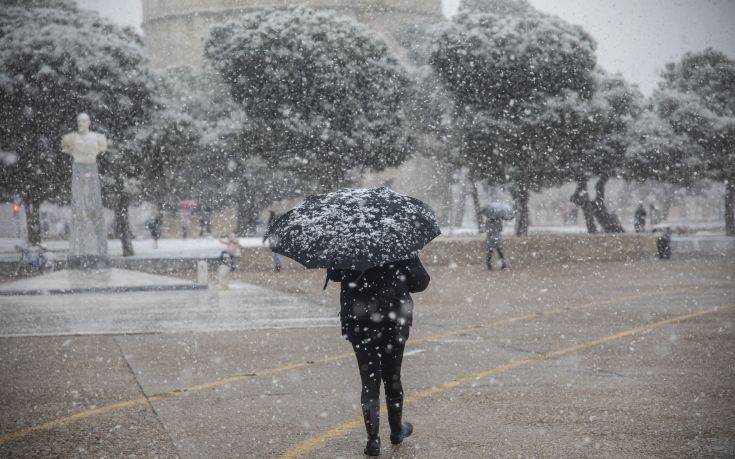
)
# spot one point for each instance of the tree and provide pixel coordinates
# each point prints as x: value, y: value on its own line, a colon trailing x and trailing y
x: 54, y: 64
x: 501, y: 69
x: 697, y: 98
x: 324, y: 97
x: 165, y: 147
x: 572, y: 126
x: 657, y: 152
x: 221, y: 169
x: 597, y: 134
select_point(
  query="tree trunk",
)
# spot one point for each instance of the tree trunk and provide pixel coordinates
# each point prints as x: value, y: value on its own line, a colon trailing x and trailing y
x: 459, y: 209
x: 667, y: 203
x: 522, y: 218
x: 247, y: 218
x: 608, y: 221
x: 581, y: 198
x: 33, y: 220
x: 476, y: 205
x: 460, y: 201
x: 122, y: 224
x: 730, y: 207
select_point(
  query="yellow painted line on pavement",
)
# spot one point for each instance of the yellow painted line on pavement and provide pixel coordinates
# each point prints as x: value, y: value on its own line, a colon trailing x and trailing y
x: 65, y: 420
x: 320, y: 440
x: 74, y: 417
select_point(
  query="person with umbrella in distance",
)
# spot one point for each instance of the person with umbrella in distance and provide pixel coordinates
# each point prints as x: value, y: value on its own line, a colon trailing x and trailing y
x: 494, y: 215
x: 368, y: 240
x: 639, y: 218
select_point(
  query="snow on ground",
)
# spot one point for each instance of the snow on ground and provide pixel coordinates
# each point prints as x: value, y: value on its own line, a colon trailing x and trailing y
x: 167, y: 248
x: 209, y: 247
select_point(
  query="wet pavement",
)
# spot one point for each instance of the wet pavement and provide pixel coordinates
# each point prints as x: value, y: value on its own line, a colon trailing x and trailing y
x: 584, y: 359
x: 239, y: 307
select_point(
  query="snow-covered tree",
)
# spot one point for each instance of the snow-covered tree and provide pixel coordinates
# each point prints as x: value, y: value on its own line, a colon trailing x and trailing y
x: 597, y: 136
x: 324, y: 97
x: 55, y: 63
x: 569, y: 127
x: 657, y: 152
x: 222, y: 169
x: 697, y: 98
x: 501, y: 70
x: 166, y: 147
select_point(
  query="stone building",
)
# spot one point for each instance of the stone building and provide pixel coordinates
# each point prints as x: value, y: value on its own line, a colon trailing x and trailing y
x: 175, y: 30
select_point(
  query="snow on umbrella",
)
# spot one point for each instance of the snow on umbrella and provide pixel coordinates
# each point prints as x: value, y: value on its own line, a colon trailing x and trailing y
x: 499, y: 210
x: 354, y: 229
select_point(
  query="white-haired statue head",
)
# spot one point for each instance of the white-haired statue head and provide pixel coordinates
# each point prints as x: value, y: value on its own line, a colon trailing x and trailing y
x: 83, y: 123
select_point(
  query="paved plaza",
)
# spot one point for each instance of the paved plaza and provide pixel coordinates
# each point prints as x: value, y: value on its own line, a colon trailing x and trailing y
x: 583, y: 359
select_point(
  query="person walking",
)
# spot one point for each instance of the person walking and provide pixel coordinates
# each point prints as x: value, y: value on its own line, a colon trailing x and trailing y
x: 205, y: 220
x: 154, y: 227
x: 639, y: 218
x: 494, y: 215
x: 376, y: 314
x: 368, y: 240
x: 663, y: 243
x: 494, y: 240
x: 231, y: 252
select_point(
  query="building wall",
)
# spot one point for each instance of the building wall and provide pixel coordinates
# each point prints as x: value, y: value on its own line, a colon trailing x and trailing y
x: 175, y: 30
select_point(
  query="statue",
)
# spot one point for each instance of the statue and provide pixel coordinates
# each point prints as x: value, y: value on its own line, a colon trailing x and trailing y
x: 88, y: 239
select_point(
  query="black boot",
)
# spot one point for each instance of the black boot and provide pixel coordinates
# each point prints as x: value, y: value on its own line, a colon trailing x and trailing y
x: 398, y: 429
x: 371, y: 415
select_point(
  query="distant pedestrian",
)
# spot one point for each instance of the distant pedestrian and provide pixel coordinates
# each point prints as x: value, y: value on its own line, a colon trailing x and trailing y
x: 663, y: 243
x: 185, y: 215
x: 205, y: 220
x: 573, y: 215
x: 154, y: 227
x: 639, y: 218
x: 494, y: 215
x: 494, y: 241
x: 376, y: 315
x: 272, y: 217
x: 231, y: 252
x: 185, y: 209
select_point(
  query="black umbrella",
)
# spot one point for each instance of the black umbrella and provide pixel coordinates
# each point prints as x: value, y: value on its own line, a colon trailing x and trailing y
x: 354, y: 229
x: 499, y: 210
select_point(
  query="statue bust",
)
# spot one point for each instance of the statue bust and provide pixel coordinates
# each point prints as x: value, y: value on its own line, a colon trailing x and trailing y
x: 84, y: 145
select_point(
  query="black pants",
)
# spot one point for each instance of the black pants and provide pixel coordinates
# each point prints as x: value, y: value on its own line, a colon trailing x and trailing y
x: 489, y: 257
x: 379, y: 353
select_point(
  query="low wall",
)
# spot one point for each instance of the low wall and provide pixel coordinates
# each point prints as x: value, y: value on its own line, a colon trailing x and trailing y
x: 718, y: 246
x: 545, y: 249
x: 442, y: 251
x: 518, y: 250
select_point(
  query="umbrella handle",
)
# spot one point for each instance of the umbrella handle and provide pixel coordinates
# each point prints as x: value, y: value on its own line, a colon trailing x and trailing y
x: 326, y: 281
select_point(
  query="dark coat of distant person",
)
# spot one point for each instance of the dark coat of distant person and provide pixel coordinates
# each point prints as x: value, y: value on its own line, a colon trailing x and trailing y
x: 380, y: 296
x: 639, y: 219
x: 494, y: 230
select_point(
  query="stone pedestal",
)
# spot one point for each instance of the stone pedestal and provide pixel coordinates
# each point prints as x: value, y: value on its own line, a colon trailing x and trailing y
x: 88, y: 238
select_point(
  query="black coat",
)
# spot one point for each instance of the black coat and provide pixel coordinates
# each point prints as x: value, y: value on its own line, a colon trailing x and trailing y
x: 380, y: 296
